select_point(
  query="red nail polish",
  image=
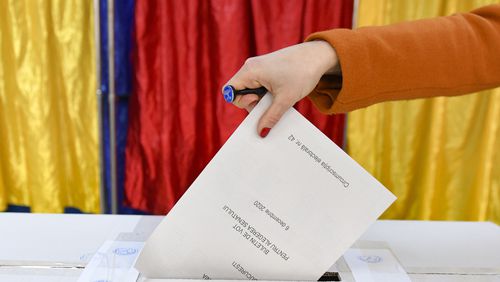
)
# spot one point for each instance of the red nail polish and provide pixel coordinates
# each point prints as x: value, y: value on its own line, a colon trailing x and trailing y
x: 264, y: 132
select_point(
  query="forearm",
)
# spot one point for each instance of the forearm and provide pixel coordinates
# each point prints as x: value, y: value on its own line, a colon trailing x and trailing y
x: 443, y: 56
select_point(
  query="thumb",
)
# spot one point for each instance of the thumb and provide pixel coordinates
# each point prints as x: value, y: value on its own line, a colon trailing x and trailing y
x: 272, y: 115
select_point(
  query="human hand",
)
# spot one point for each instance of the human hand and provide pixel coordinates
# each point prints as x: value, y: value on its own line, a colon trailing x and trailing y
x: 289, y: 74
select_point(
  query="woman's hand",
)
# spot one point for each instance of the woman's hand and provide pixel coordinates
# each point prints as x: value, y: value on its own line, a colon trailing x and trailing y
x: 289, y: 74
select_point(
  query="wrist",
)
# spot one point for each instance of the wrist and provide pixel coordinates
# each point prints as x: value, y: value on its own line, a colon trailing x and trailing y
x: 325, y: 57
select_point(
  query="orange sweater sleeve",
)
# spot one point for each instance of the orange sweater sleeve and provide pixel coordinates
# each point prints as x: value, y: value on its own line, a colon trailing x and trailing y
x: 443, y: 56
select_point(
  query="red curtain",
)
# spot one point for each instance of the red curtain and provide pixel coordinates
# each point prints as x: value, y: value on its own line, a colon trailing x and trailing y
x: 184, y: 52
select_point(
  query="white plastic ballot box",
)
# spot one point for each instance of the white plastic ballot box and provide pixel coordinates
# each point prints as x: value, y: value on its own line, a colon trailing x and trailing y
x: 58, y: 247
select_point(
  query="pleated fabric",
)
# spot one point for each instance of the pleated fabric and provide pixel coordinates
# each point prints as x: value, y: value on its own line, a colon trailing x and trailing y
x: 48, y: 126
x: 123, y: 34
x: 439, y: 156
x: 185, y: 51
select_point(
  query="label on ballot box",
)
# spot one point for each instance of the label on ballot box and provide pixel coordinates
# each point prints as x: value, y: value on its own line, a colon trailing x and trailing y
x: 373, y: 265
x: 113, y: 262
x: 284, y: 207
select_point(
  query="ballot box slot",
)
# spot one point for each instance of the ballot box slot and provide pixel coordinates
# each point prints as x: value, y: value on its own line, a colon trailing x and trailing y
x: 330, y: 276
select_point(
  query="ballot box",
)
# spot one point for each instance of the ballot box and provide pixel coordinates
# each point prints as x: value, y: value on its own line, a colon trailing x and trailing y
x: 50, y: 247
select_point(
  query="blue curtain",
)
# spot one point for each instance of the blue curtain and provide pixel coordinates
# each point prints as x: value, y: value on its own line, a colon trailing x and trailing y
x: 124, y: 24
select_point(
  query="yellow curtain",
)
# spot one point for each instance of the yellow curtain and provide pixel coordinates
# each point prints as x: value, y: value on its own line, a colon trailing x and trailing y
x: 439, y: 156
x: 48, y: 126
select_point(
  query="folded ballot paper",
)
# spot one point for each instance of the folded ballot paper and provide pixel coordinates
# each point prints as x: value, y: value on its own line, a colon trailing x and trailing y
x: 284, y: 207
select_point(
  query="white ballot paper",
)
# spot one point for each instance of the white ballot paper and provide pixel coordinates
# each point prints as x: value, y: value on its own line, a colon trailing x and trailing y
x: 284, y: 207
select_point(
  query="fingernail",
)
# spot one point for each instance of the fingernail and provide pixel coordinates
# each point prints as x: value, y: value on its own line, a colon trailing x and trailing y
x: 264, y: 132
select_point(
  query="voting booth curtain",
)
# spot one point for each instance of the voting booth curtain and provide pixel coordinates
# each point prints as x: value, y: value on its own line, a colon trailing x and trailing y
x: 185, y: 52
x: 123, y: 30
x: 439, y: 156
x: 48, y: 126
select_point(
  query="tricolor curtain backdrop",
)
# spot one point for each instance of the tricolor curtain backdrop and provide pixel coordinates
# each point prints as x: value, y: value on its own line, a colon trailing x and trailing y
x: 48, y: 126
x: 185, y: 51
x: 439, y: 156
